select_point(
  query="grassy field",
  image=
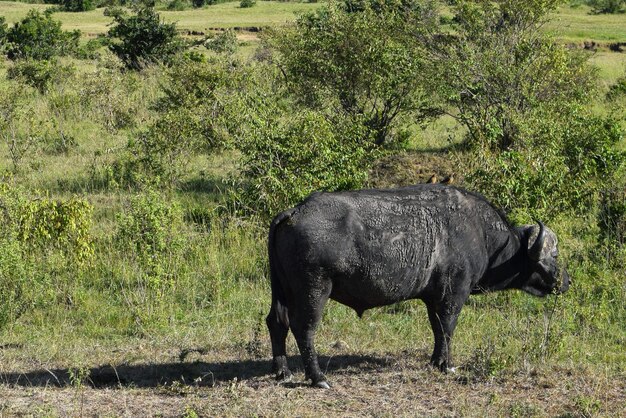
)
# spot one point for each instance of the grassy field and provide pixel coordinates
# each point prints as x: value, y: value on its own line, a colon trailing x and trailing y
x: 571, y: 24
x: 108, y: 339
x: 576, y: 24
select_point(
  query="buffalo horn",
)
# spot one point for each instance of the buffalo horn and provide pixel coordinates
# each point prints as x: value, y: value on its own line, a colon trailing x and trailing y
x: 534, y: 252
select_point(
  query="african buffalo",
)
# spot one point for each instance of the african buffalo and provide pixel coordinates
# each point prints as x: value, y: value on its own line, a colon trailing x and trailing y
x: 371, y: 248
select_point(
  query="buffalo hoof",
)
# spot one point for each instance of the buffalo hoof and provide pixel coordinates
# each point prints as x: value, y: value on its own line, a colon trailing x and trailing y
x: 322, y: 384
x: 284, y: 376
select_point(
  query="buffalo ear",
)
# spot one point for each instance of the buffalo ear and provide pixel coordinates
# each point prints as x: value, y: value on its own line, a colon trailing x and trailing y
x: 534, y: 252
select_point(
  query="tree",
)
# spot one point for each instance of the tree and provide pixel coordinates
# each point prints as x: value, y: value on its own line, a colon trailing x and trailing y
x: 78, y: 5
x: 534, y: 146
x: 142, y: 39
x: 40, y: 37
x: 607, y: 6
x: 362, y: 59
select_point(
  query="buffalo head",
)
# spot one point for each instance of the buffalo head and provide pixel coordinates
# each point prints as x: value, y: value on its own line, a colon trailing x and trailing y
x: 545, y: 275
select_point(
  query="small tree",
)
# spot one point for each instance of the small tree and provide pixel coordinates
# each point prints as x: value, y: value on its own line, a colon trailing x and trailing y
x: 607, y: 6
x: 362, y: 59
x: 522, y: 97
x: 40, y: 37
x: 78, y: 5
x: 142, y: 39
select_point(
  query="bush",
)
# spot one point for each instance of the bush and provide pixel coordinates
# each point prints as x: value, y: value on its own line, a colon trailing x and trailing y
x: 39, y: 37
x: 607, y: 6
x: 40, y: 74
x: 18, y: 129
x: 247, y: 3
x: 78, y: 5
x: 142, y: 39
x: 559, y: 169
x: 107, y: 95
x: 197, y: 111
x: 39, y: 238
x: 612, y: 223
x: 177, y: 5
x: 361, y: 60
x: 286, y: 161
x: 150, y: 232
x: 223, y: 42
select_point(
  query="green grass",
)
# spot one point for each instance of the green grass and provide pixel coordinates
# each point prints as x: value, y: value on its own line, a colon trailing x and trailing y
x: 224, y: 15
x: 576, y: 25
x: 572, y: 25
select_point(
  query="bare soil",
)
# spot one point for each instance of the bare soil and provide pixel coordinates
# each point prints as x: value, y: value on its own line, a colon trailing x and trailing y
x: 213, y: 383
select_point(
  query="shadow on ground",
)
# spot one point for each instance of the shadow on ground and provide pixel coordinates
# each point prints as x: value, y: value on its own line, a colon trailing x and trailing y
x: 191, y: 373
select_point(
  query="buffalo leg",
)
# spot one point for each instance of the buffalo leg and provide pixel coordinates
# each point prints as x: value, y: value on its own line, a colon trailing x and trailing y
x: 443, y: 317
x: 278, y: 335
x: 303, y: 321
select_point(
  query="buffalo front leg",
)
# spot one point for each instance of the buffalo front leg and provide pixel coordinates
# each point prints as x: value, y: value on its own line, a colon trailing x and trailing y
x: 278, y: 335
x: 443, y: 317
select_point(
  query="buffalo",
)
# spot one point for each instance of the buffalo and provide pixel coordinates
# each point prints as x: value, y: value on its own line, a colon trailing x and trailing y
x: 369, y: 248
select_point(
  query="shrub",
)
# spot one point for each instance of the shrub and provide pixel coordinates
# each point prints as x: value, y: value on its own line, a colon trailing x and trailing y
x: 224, y: 42
x: 612, y: 223
x: 197, y: 111
x: 107, y: 94
x: 285, y: 161
x: 559, y: 169
x: 606, y: 6
x: 63, y: 226
x: 39, y: 37
x: 150, y: 232
x: 247, y: 3
x: 18, y: 129
x: 142, y: 39
x: 40, y: 74
x: 363, y: 62
x: 177, y: 5
x: 39, y: 238
x: 78, y: 5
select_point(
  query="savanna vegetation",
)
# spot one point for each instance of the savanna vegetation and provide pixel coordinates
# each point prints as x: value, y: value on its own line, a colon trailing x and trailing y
x: 137, y: 184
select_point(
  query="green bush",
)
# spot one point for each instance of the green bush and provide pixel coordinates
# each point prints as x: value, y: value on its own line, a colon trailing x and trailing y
x: 19, y: 130
x: 40, y: 239
x: 142, y: 39
x: 107, y: 95
x: 286, y: 161
x: 365, y: 62
x: 196, y: 114
x: 607, y: 6
x: 78, y: 5
x: 612, y: 223
x: 40, y: 74
x: 559, y: 168
x: 224, y: 42
x: 150, y: 231
x: 247, y: 3
x: 40, y: 37
x: 177, y: 5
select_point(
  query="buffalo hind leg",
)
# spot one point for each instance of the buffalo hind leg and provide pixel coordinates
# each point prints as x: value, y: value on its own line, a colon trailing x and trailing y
x: 443, y: 317
x: 278, y: 335
x: 303, y: 322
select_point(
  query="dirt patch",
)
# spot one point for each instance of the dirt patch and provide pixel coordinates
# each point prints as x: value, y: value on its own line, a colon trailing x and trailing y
x: 413, y: 168
x: 363, y: 385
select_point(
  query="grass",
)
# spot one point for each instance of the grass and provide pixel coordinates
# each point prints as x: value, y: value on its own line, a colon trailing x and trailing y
x: 223, y: 15
x: 577, y: 25
x: 572, y: 24
x: 195, y: 342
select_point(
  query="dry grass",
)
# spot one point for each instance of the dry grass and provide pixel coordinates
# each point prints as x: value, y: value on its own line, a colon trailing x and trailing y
x: 218, y: 383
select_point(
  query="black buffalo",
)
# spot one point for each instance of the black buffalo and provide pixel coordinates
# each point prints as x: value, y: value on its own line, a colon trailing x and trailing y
x: 371, y: 248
